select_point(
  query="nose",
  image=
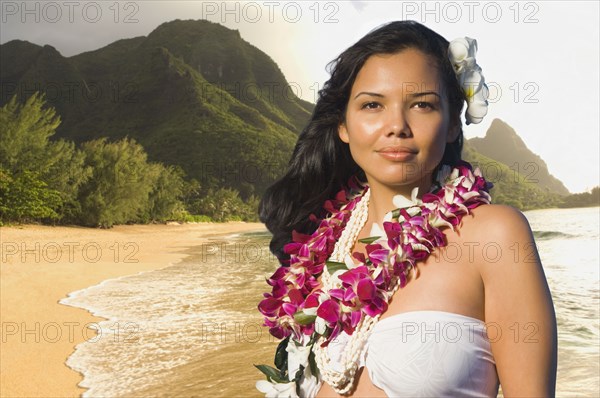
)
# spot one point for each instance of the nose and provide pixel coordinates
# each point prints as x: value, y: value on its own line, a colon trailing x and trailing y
x: 397, y: 124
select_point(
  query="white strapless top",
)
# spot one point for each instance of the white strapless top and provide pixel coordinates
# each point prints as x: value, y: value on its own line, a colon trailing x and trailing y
x: 427, y: 354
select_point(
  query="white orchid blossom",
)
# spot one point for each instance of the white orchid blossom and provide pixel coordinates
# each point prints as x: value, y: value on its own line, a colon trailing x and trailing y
x: 400, y: 201
x: 298, y: 353
x: 461, y: 53
x: 320, y: 325
x: 309, y: 384
x: 277, y: 390
x: 350, y: 264
x: 376, y: 230
x: 297, y: 356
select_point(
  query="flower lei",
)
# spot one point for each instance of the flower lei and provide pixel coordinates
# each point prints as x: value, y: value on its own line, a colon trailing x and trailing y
x: 297, y: 308
x: 461, y: 53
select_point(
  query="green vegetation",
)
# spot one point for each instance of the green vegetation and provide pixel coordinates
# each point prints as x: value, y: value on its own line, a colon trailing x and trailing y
x: 99, y: 183
x: 584, y: 199
x: 25, y: 196
x: 40, y: 178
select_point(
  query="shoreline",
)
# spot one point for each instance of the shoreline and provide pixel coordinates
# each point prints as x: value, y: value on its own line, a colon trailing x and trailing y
x: 40, y: 265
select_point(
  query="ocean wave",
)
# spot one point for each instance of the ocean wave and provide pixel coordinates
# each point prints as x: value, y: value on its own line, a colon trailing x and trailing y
x: 546, y: 235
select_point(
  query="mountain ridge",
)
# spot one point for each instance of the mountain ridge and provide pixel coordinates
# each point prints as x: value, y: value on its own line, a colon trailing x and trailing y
x: 502, y: 143
x: 193, y: 93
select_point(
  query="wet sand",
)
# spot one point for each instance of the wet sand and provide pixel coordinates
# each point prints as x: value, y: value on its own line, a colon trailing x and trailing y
x: 41, y: 264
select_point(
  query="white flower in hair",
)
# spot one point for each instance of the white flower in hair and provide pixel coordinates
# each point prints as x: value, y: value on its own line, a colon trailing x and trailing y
x: 461, y: 53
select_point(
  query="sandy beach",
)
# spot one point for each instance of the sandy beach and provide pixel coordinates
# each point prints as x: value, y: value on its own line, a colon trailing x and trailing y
x: 41, y: 264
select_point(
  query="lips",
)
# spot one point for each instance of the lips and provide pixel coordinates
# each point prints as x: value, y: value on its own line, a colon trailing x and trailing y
x: 396, y: 153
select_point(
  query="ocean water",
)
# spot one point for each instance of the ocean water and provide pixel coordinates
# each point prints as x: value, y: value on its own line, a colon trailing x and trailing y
x: 192, y: 329
x: 569, y: 247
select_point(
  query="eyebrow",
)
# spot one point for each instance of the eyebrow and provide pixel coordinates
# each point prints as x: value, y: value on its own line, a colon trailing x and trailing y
x: 368, y: 93
x: 421, y: 94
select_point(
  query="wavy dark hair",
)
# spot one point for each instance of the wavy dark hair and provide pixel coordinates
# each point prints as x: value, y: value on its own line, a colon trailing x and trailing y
x: 321, y: 164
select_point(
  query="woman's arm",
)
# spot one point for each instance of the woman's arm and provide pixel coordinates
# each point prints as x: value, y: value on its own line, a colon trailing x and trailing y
x: 519, y: 313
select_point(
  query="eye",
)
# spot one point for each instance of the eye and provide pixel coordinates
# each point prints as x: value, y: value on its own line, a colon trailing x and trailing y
x: 370, y: 105
x: 424, y: 105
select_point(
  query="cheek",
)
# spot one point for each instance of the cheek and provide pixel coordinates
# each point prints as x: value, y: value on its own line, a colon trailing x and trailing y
x: 362, y: 134
x: 364, y: 127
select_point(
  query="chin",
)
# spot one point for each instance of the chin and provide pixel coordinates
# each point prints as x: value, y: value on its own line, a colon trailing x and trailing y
x: 403, y: 175
x: 396, y: 181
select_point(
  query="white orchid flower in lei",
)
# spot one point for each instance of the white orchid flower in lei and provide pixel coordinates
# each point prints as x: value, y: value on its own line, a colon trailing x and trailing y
x: 400, y: 202
x: 461, y: 53
x: 277, y: 390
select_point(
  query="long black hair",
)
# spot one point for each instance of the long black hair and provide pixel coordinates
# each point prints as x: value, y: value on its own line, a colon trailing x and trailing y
x: 321, y: 163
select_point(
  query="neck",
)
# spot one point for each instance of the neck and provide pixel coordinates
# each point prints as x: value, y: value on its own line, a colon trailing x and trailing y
x: 382, y: 196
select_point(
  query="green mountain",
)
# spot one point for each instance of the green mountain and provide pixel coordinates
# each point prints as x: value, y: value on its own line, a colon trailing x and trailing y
x: 503, y: 144
x: 193, y: 93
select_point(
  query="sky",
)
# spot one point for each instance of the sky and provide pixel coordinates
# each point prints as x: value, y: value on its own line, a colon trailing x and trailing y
x: 540, y: 59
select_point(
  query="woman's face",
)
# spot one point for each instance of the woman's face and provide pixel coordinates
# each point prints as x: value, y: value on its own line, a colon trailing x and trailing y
x: 397, y: 119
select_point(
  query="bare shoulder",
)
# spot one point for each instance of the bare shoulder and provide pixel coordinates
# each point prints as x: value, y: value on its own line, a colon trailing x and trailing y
x: 496, y: 221
x: 497, y: 211
x: 505, y: 239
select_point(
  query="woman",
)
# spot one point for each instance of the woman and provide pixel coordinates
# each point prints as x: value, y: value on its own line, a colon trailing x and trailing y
x: 416, y: 312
